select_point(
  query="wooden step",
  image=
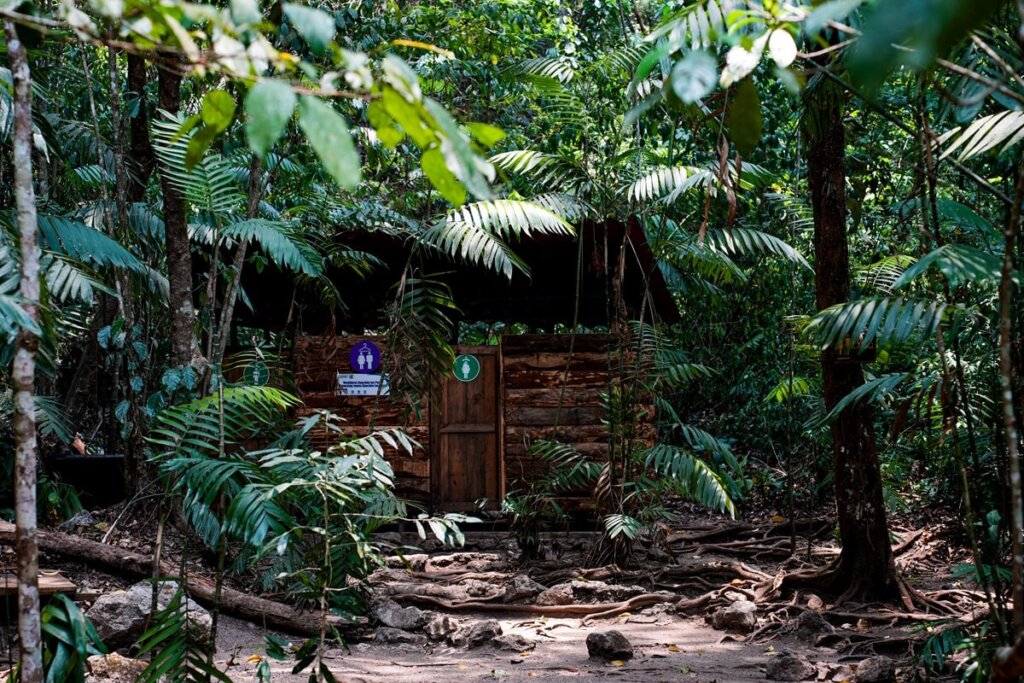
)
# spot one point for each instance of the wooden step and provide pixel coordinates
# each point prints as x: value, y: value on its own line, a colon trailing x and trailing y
x: 50, y: 583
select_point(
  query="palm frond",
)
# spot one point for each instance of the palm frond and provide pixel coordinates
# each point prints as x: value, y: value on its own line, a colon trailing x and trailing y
x: 549, y: 172
x: 279, y: 242
x: 984, y: 134
x: 959, y: 263
x: 872, y: 390
x: 210, y: 186
x: 745, y: 241
x: 476, y: 232
x: 689, y: 476
x: 886, y: 319
x: 882, y: 275
x: 556, y: 68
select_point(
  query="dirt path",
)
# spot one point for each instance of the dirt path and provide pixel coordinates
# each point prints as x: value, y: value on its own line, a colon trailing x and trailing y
x: 667, y: 649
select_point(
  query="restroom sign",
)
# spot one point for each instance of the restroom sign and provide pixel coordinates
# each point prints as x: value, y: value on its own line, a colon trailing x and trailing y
x: 467, y: 368
x: 364, y: 357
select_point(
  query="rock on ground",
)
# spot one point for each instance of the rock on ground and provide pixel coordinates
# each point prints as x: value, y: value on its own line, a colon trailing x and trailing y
x: 522, y: 588
x: 120, y: 617
x: 513, y: 642
x: 395, y: 636
x: 556, y: 595
x: 477, y: 634
x: 113, y: 668
x: 391, y: 614
x: 440, y: 627
x: 811, y: 624
x: 787, y: 666
x: 876, y: 670
x: 739, y: 616
x: 609, y: 645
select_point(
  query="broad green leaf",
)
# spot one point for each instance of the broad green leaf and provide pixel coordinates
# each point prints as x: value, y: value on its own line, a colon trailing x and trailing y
x: 744, y: 118
x: 442, y: 178
x: 694, y: 76
x: 328, y: 134
x: 314, y: 25
x: 486, y: 134
x: 829, y: 11
x: 269, y: 106
x: 218, y: 110
x: 245, y: 11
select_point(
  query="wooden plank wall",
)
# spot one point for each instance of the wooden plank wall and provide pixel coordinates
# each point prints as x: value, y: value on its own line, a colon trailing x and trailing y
x: 535, y: 395
x: 317, y: 362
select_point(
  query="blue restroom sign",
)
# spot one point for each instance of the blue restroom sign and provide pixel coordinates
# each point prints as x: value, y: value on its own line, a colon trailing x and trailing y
x: 365, y: 357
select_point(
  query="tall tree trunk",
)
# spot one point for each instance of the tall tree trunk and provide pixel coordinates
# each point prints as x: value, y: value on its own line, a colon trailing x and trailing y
x: 141, y: 149
x: 866, y: 567
x: 24, y: 369
x: 1010, y: 433
x: 179, y: 257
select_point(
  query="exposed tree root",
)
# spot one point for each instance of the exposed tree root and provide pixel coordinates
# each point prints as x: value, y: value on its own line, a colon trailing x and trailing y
x: 592, y: 611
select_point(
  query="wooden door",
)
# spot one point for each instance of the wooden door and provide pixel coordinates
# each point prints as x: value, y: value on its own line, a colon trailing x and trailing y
x: 467, y: 436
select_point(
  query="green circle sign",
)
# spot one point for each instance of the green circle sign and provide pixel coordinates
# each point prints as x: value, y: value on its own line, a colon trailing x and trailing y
x: 256, y: 374
x: 467, y: 368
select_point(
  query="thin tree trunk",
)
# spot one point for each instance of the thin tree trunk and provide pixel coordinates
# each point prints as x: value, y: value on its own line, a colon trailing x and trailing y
x: 866, y: 567
x: 1010, y: 433
x: 24, y: 369
x: 179, y: 257
x: 231, y: 296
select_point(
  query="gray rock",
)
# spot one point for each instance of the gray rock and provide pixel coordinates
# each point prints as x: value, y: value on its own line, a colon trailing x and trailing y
x: 477, y: 634
x: 556, y: 595
x: 396, y: 636
x: 739, y: 616
x: 121, y: 616
x: 787, y: 666
x: 80, y: 519
x: 113, y: 668
x: 609, y: 645
x: 391, y: 614
x: 522, y: 588
x: 876, y: 670
x: 513, y: 642
x: 440, y: 627
x: 810, y: 624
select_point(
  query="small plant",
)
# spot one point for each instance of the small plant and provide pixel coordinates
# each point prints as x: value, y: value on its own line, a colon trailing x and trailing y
x: 69, y: 639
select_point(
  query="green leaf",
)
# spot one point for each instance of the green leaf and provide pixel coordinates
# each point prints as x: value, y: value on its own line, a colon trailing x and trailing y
x: 218, y: 110
x: 269, y: 106
x: 314, y: 25
x: 911, y: 33
x: 694, y: 76
x: 442, y: 178
x: 245, y: 11
x: 486, y: 134
x: 744, y: 118
x: 328, y: 134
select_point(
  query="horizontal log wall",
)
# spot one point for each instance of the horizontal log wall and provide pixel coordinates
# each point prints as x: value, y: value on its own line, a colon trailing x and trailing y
x: 539, y: 394
x: 317, y: 362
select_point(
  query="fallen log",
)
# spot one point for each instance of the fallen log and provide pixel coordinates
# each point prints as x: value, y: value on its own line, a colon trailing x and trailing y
x: 234, y: 602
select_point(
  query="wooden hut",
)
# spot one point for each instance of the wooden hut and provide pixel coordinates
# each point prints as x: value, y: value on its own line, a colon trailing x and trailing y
x: 475, y: 435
